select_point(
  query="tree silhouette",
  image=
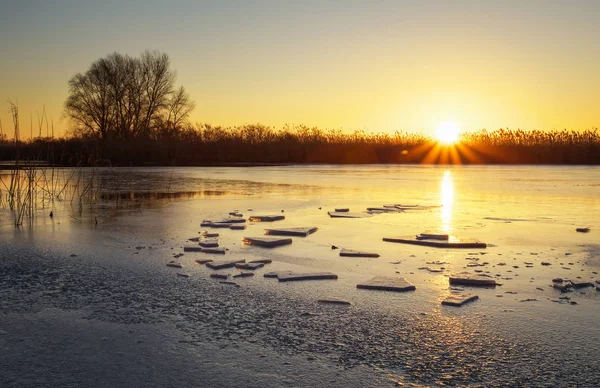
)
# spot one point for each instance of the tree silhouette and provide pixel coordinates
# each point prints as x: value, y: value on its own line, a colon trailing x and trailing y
x: 123, y: 97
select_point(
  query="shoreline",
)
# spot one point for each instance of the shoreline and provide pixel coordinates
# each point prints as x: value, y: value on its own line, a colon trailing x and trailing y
x: 307, y: 164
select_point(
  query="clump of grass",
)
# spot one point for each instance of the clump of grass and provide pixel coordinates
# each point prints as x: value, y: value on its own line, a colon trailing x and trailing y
x: 32, y: 180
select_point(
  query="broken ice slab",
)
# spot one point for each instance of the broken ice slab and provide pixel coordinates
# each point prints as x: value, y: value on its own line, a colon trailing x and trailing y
x: 452, y: 242
x: 219, y: 225
x: 302, y: 232
x: 174, y: 265
x: 342, y: 209
x: 434, y: 270
x: 351, y: 253
x: 230, y: 220
x: 459, y: 299
x: 192, y: 248
x: 203, y: 261
x: 470, y: 265
x: 219, y: 275
x: 230, y: 283
x: 290, y: 277
x: 209, y: 243
x: 563, y: 287
x: 416, y: 207
x: 251, y: 266
x: 581, y: 284
x: 224, y: 223
x: 263, y: 261
x: 223, y: 264
x: 347, y: 215
x: 386, y: 283
x: 267, y: 218
x: 218, y: 251
x: 470, y: 279
x: 275, y: 274
x: 333, y: 301
x: 237, y: 226
x: 384, y: 209
x: 583, y: 230
x: 267, y: 242
x: 243, y: 275
x: 433, y: 236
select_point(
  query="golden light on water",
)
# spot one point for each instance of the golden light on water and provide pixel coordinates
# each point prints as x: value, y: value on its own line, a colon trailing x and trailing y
x: 447, y: 200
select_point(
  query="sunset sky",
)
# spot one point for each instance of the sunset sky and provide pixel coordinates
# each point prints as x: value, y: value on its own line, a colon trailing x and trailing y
x: 372, y: 65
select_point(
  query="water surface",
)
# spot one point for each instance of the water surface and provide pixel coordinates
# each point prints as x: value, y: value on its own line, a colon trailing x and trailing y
x: 519, y: 334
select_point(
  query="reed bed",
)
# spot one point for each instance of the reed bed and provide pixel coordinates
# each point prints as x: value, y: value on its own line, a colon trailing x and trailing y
x: 33, y: 182
x: 205, y: 144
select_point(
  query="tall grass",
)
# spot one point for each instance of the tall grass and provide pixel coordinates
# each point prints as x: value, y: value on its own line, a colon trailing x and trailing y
x: 205, y: 144
x: 32, y: 180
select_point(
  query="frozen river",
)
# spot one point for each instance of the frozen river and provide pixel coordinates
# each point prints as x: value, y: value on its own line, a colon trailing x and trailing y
x: 98, y: 266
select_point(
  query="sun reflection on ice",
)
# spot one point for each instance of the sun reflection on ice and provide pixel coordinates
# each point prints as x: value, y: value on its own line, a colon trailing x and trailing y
x: 447, y: 200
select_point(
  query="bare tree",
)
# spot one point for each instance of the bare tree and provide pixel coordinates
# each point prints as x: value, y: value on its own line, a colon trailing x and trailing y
x: 125, y: 97
x: 158, y: 82
x: 180, y: 106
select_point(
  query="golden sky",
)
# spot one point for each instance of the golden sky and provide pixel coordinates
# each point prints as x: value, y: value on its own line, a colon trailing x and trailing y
x: 377, y: 66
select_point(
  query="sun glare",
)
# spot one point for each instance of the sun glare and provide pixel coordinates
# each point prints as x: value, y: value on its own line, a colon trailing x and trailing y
x: 447, y: 132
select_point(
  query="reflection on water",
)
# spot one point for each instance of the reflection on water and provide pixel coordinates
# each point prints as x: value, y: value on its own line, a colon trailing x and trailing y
x: 447, y: 200
x: 484, y: 190
x: 158, y: 196
x: 88, y: 193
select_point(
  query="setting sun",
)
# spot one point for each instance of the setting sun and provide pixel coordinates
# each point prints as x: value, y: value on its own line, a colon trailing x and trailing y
x: 447, y: 132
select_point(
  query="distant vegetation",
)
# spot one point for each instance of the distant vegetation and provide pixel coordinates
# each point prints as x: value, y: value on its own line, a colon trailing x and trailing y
x: 256, y: 144
x: 126, y: 111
